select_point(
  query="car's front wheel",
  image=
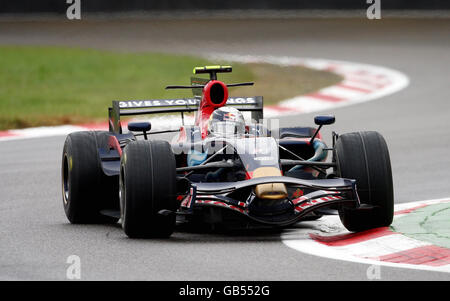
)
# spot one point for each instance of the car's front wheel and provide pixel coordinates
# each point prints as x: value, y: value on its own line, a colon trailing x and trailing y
x: 364, y: 156
x: 147, y: 185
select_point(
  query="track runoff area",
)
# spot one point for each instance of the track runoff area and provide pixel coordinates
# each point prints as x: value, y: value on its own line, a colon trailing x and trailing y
x: 419, y: 237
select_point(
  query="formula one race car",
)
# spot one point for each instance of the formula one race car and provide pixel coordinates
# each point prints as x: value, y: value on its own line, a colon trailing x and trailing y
x: 222, y: 170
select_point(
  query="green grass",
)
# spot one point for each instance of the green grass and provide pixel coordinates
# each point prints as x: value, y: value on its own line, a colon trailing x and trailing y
x: 56, y: 85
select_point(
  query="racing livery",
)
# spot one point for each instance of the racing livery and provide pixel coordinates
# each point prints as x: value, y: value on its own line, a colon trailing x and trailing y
x: 222, y: 170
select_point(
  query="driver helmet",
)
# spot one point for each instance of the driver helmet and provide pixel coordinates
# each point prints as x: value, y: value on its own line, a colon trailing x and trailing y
x: 226, y: 121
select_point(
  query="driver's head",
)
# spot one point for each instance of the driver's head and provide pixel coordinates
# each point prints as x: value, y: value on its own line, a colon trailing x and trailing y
x: 226, y: 121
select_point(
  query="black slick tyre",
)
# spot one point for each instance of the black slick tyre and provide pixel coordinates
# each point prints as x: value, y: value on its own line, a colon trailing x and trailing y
x: 147, y: 185
x: 86, y: 190
x: 364, y: 156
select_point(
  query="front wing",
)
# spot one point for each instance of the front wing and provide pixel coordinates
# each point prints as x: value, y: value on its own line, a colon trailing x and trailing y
x: 309, y: 196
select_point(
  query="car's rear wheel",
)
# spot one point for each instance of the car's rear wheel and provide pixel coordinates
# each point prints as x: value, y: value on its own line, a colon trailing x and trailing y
x: 364, y: 156
x: 148, y: 189
x: 86, y: 190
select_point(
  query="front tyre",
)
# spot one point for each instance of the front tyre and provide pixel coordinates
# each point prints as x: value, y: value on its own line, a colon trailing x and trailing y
x: 147, y: 186
x: 364, y: 156
x: 86, y: 190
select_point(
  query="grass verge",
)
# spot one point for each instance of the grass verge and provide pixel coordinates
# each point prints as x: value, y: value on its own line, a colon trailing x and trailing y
x: 56, y: 85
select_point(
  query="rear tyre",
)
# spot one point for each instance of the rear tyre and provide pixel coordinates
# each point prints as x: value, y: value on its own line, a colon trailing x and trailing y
x: 86, y: 190
x: 148, y: 186
x: 364, y: 156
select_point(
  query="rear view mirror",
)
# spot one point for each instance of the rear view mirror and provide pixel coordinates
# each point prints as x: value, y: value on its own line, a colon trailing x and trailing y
x: 324, y: 119
x: 321, y: 120
x: 143, y: 127
x: 139, y: 126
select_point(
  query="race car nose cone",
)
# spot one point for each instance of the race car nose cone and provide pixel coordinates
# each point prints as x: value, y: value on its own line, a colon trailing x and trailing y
x: 271, y: 191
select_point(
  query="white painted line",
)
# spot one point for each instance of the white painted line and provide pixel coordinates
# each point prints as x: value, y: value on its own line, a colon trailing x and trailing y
x: 305, y: 104
x: 341, y: 92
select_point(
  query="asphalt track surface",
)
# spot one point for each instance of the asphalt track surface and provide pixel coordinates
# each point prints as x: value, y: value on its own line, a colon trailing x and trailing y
x: 36, y: 238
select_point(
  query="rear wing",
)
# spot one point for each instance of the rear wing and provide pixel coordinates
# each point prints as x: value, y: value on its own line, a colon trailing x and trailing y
x: 156, y: 106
